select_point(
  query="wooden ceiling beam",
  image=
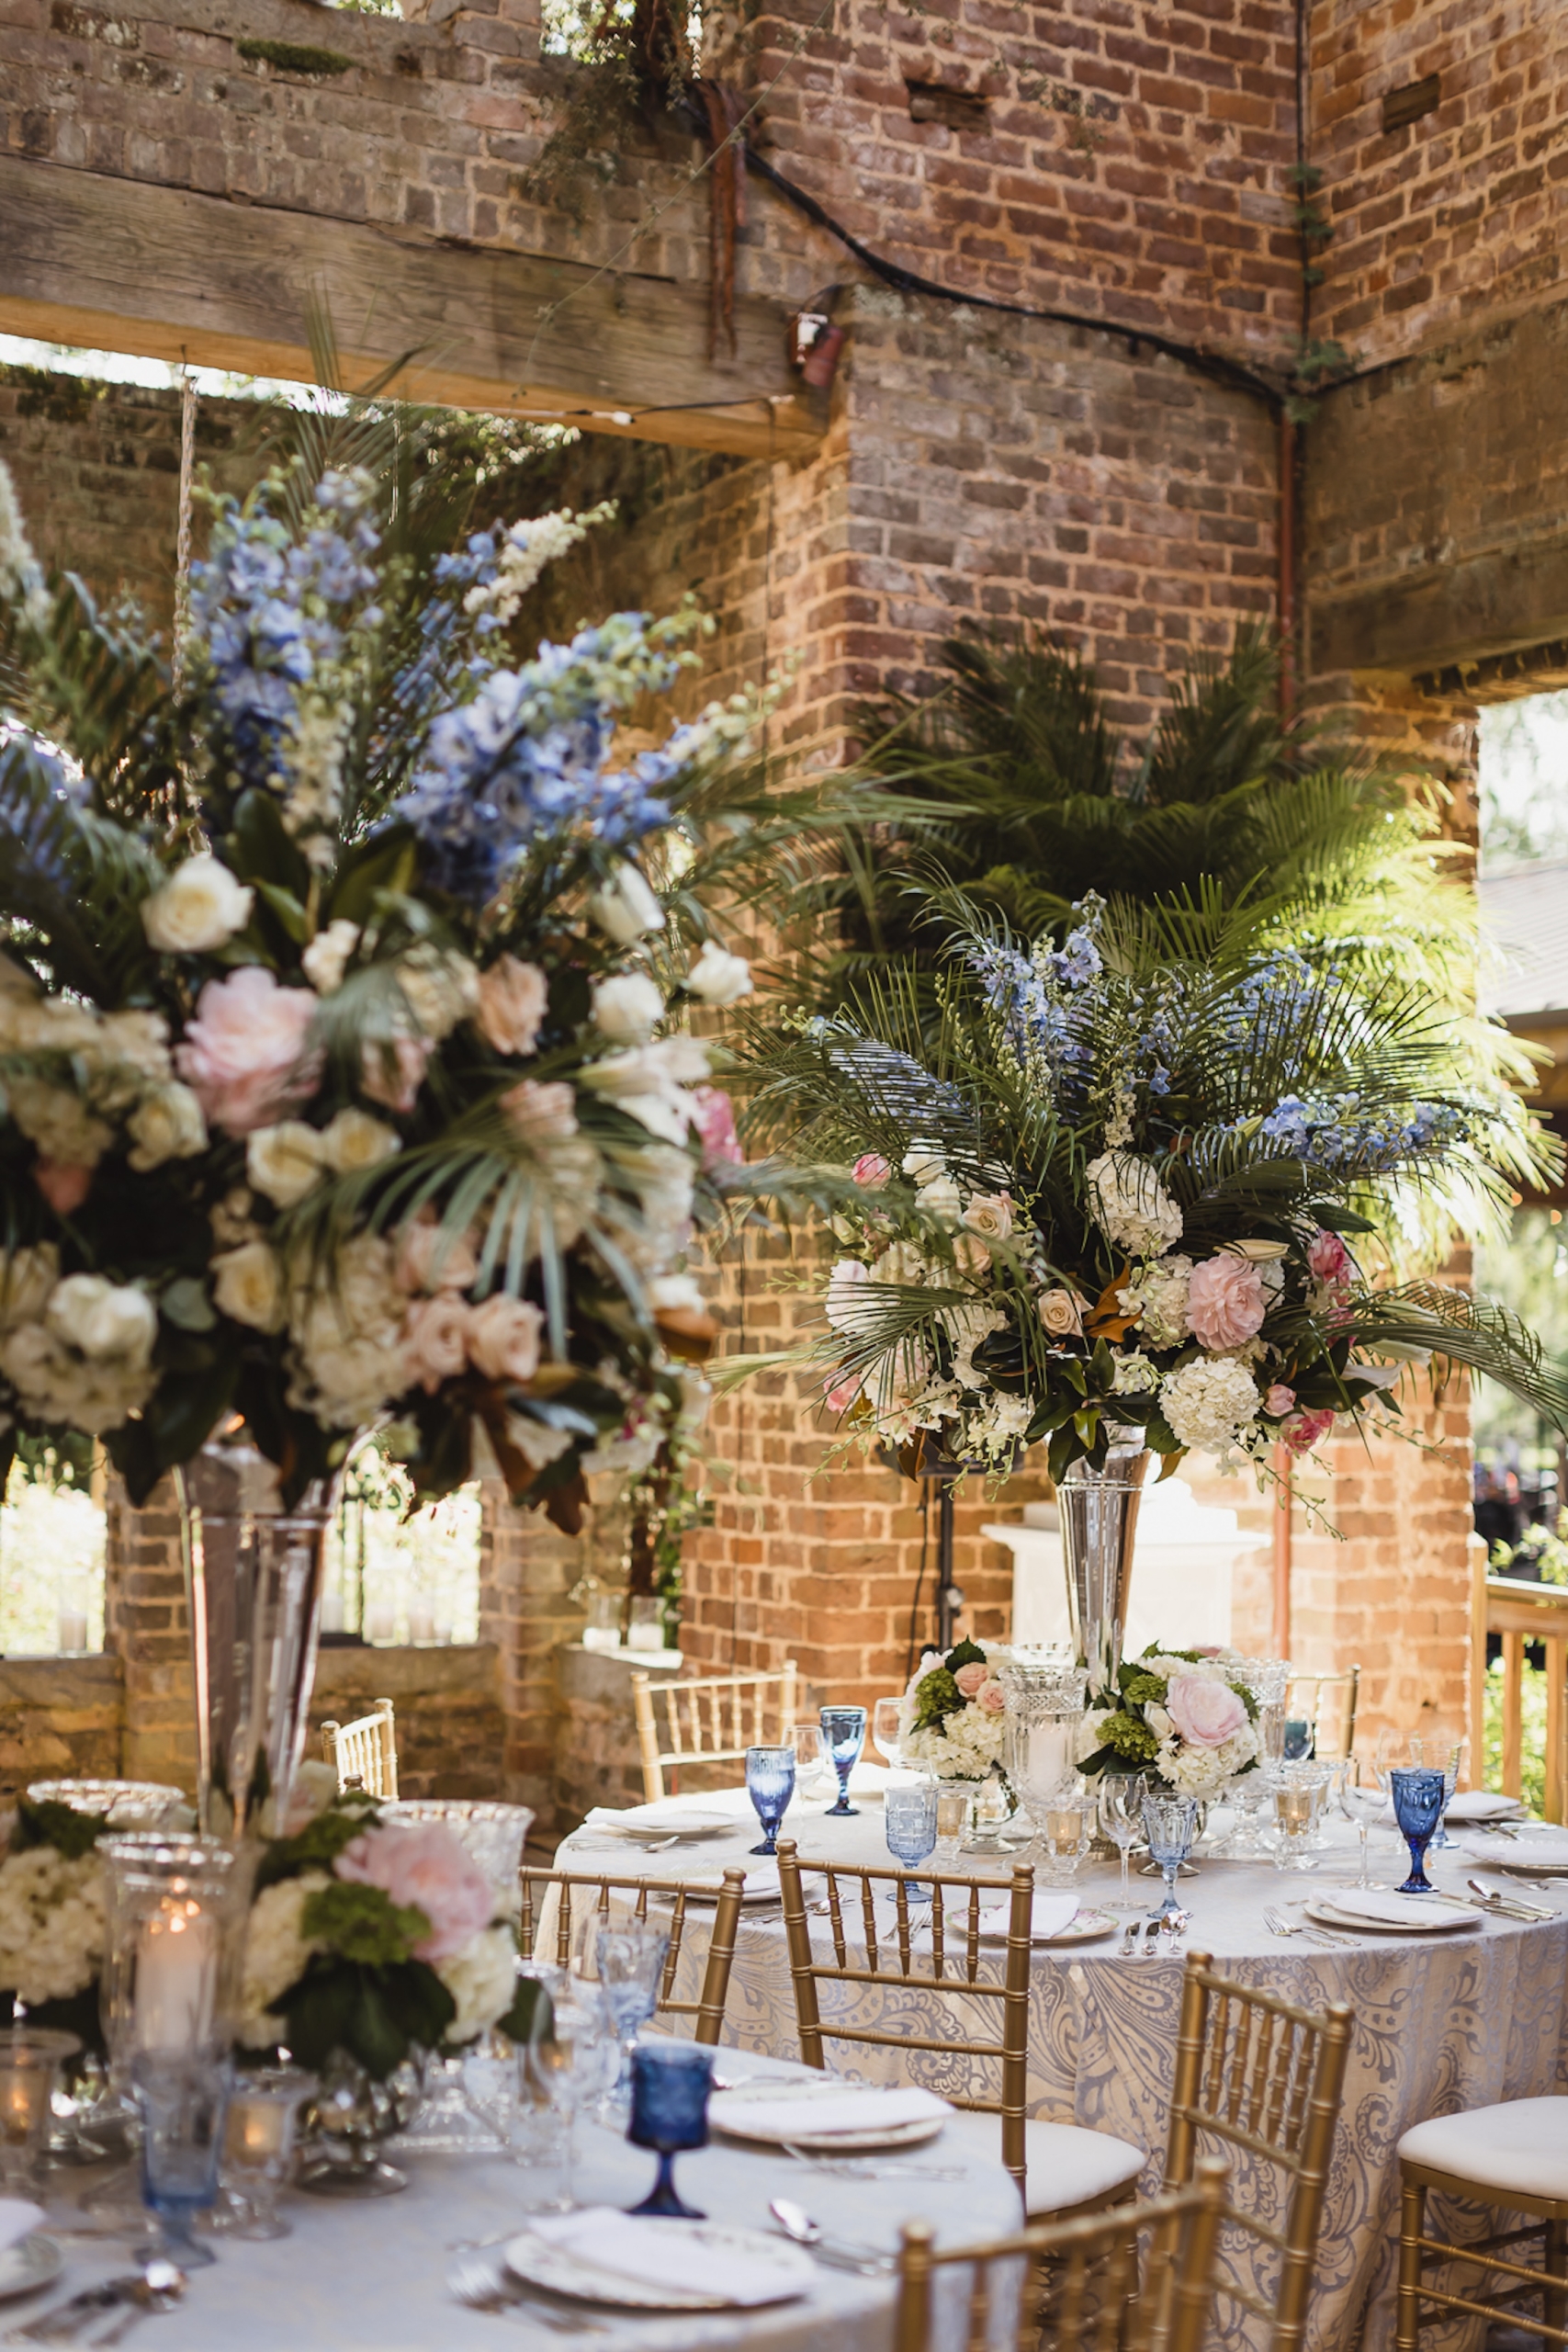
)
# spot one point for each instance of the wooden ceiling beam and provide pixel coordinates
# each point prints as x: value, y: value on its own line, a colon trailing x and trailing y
x: 115, y: 265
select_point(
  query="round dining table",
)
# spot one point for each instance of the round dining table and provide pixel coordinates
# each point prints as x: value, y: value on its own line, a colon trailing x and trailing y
x: 1443, y: 2021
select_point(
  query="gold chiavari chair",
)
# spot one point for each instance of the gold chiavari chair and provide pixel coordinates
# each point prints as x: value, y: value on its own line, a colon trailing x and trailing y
x: 571, y: 1898
x: 1513, y: 2158
x: 365, y: 1752
x: 1079, y: 2290
x: 711, y: 1720
x: 1059, y: 2167
x: 1329, y: 1704
x: 1262, y: 2075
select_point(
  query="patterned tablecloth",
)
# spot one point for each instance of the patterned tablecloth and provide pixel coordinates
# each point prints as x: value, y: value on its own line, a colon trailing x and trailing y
x: 1443, y: 2023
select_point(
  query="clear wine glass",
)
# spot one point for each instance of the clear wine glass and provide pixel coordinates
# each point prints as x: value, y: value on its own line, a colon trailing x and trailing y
x: 1362, y: 1800
x: 569, y: 2072
x: 886, y: 1714
x: 1122, y: 1818
x: 630, y: 1962
x: 813, y: 1773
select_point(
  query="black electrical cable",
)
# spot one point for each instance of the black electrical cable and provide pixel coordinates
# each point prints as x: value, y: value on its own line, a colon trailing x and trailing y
x: 919, y: 1578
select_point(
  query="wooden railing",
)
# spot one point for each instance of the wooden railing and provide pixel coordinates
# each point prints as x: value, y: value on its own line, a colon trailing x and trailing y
x: 1522, y: 1613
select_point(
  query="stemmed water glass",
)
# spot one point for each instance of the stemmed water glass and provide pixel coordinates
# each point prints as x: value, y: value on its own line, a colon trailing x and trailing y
x: 568, y: 2072
x: 886, y: 1716
x: 1440, y: 1751
x: 770, y: 1784
x: 843, y: 1736
x: 1122, y: 1818
x: 813, y: 1773
x: 1170, y: 1825
x: 1362, y: 1800
x: 1418, y: 1801
x: 630, y: 1962
x: 911, y: 1829
x: 182, y: 2099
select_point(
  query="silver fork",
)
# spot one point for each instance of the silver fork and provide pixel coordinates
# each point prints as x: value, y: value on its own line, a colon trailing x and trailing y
x: 482, y: 2286
x: 1278, y: 1925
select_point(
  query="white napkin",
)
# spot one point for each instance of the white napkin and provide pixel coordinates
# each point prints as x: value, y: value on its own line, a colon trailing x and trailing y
x: 638, y: 2246
x: 762, y: 1879
x: 1548, y: 1847
x: 1483, y: 1804
x: 16, y: 2218
x: 856, y: 2108
x: 666, y: 1813
x: 1052, y: 1913
x: 1391, y: 1910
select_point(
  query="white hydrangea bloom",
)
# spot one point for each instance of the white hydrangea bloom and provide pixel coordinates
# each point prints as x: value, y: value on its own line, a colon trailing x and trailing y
x: 482, y: 1979
x: 1194, y: 1771
x: 347, y: 1334
x: 51, y: 1924
x: 1131, y: 1205
x: 1210, y: 1402
x: 276, y: 1955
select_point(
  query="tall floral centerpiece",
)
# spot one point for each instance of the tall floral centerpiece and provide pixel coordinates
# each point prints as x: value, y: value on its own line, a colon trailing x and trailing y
x: 1128, y: 1197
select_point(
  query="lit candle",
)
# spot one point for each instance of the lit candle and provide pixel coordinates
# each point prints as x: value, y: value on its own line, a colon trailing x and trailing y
x: 1294, y: 1807
x: 71, y: 1632
x: 257, y: 2129
x: 422, y: 1621
x: 176, y: 1977
x: 1063, y: 1825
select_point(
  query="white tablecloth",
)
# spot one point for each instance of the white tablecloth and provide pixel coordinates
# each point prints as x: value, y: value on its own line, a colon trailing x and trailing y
x: 371, y: 2277
x: 1443, y: 2023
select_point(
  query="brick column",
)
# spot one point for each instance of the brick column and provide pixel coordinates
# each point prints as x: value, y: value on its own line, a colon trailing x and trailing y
x: 147, y: 1625
x: 527, y: 1569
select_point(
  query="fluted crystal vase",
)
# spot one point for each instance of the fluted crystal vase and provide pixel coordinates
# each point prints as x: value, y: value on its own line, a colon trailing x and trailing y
x: 1100, y: 1520
x: 253, y: 1582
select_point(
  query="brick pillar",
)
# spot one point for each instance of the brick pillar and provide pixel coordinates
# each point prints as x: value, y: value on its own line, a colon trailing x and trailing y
x: 527, y: 1569
x: 147, y: 1626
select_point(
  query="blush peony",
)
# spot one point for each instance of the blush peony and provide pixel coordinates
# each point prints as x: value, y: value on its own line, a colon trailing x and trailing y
x: 1207, y: 1713
x: 1225, y: 1301
x: 870, y: 1172
x: 243, y: 1055
x: 1329, y: 1259
x: 714, y: 1124
x: 430, y: 1868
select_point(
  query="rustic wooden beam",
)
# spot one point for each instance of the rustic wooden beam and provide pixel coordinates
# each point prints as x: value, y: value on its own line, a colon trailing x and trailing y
x: 1445, y: 614
x: 114, y: 265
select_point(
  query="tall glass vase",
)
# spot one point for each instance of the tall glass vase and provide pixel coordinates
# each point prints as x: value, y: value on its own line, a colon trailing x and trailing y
x: 1100, y: 1520
x: 253, y: 1583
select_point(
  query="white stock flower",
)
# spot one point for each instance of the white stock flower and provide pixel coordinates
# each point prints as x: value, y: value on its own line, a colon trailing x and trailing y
x: 626, y: 907
x: 27, y: 1278
x: 108, y: 1322
x: 718, y: 978
x: 247, y: 1284
x: 523, y: 552
x: 440, y: 989
x: 649, y: 1082
x: 1160, y: 1291
x: 627, y: 1008
x: 482, y: 1979
x: 845, y: 1302
x: 58, y: 1122
x: 285, y: 1162
x: 1131, y: 1205
x: 326, y: 958
x: 1133, y: 1375
x: 312, y: 753
x: 166, y: 1124
x: 902, y: 1262
x: 201, y: 907
x: 1209, y: 1402
x: 353, y: 1140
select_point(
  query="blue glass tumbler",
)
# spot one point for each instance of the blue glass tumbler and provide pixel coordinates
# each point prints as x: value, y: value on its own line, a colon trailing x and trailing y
x: 843, y: 1736
x: 770, y: 1784
x: 670, y: 2082
x: 1418, y: 1799
x: 182, y: 2099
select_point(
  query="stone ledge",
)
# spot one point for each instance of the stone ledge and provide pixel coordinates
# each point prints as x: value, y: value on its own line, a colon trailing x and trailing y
x: 61, y: 1716
x: 374, y: 1673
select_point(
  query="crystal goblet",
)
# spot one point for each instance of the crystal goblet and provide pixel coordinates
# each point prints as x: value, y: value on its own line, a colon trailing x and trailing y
x: 770, y: 1784
x: 183, y: 2100
x: 630, y: 1960
x: 1418, y: 1797
x: 1170, y: 1825
x: 911, y: 1829
x: 843, y: 1736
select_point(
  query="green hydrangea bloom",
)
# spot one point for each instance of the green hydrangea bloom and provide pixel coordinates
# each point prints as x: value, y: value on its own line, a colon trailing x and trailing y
x: 1146, y: 1689
x: 936, y: 1697
x: 1128, y: 1736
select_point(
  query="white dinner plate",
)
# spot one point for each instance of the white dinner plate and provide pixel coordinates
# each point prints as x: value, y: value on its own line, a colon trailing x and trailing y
x: 535, y: 2260
x: 1540, y: 1854
x: 1082, y: 1928
x: 32, y: 2262
x: 913, y: 2134
x: 641, y: 1827
x: 1442, y: 1919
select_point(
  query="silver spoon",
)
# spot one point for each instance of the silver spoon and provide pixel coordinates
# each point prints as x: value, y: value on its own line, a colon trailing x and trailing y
x: 482, y: 2286
x: 797, y: 2223
x: 161, y: 2286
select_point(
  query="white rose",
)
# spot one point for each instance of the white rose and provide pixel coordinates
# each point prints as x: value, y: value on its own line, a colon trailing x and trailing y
x: 626, y: 907
x: 166, y: 1124
x: 923, y: 1164
x: 108, y: 1322
x: 285, y: 1161
x: 326, y: 958
x: 353, y: 1140
x: 940, y: 1198
x: 990, y: 1214
x: 27, y: 1278
x: 56, y: 1385
x: 504, y: 1338
x: 58, y: 1122
x: 718, y: 978
x: 199, y: 907
x: 627, y: 1008
x: 247, y: 1283
x: 439, y: 988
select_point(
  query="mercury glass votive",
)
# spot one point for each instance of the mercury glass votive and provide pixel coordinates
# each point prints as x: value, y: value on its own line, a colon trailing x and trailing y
x: 952, y: 1825
x: 1065, y: 1828
x: 259, y: 2148
x: 670, y: 2082
x: 30, y: 2060
x: 1300, y: 1791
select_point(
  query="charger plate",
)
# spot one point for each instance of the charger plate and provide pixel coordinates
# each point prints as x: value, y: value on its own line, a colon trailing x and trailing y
x: 1444, y: 1918
x: 539, y: 2264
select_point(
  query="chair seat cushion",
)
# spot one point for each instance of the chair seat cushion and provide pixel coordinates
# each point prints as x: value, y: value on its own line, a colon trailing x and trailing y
x: 1067, y: 2165
x: 1522, y: 2144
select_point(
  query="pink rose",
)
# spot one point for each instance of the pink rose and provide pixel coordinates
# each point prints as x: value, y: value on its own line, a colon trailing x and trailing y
x: 429, y: 1258
x: 392, y: 1071
x: 839, y: 1394
x: 1225, y: 1301
x: 1206, y: 1714
x: 969, y: 1677
x: 1280, y: 1401
x: 1301, y: 1434
x: 243, y: 1055
x: 504, y: 1338
x: 1329, y: 1259
x: 990, y: 1697
x: 714, y: 1126
x: 870, y: 1172
x: 435, y: 1339
x: 430, y: 1868
x: 541, y: 1111
x: 64, y: 1184
x: 514, y: 998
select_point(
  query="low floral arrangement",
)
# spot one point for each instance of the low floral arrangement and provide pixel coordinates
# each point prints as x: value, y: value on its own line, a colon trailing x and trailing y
x: 1112, y: 1190
x: 373, y: 1939
x: 1178, y: 1716
x: 953, y: 1719
x: 53, y: 1918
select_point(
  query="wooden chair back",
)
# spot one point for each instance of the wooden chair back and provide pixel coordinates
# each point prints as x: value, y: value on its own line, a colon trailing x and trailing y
x: 1521, y: 1613
x: 1079, y: 2290
x: 1259, y: 2073
x: 1329, y: 1704
x: 580, y: 1897
x: 712, y: 1720
x: 885, y: 1953
x: 365, y: 1752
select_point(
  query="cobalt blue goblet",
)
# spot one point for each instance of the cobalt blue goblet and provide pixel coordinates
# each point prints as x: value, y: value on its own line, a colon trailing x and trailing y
x: 1418, y: 1798
x: 843, y: 1736
x: 770, y: 1784
x: 670, y: 2082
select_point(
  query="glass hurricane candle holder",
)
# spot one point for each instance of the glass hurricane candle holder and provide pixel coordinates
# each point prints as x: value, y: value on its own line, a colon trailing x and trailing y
x: 671, y: 2083
x: 30, y: 2060
x: 175, y: 1934
x: 843, y: 1736
x: 952, y: 1825
x: 1045, y: 1722
x: 259, y: 2148
x: 770, y: 1784
x: 1418, y: 1800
